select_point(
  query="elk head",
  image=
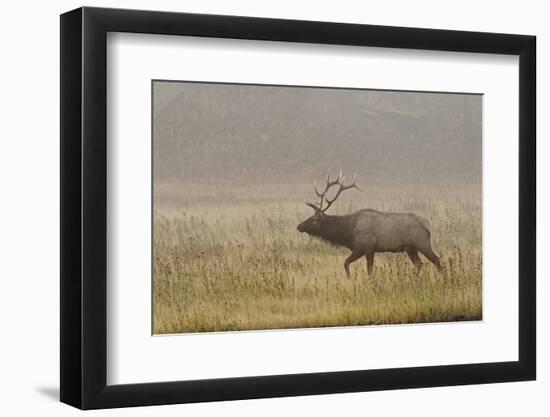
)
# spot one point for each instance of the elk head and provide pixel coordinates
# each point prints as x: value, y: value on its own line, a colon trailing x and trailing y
x: 314, y: 224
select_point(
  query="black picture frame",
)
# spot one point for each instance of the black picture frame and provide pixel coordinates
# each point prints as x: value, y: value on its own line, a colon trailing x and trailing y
x: 84, y: 207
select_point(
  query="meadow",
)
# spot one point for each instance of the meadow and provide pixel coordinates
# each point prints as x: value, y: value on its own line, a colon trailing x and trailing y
x: 230, y: 258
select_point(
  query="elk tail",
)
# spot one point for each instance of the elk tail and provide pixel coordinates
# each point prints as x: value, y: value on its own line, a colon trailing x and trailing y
x: 424, y: 223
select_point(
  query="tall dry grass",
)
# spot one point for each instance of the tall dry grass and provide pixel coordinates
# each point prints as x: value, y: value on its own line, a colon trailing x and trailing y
x: 233, y: 260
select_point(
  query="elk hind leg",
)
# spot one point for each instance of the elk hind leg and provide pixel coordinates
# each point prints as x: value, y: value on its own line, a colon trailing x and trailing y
x: 413, y: 256
x: 432, y: 257
x: 352, y: 258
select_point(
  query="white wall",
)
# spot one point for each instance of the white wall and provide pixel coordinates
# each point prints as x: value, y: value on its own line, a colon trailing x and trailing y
x: 29, y: 238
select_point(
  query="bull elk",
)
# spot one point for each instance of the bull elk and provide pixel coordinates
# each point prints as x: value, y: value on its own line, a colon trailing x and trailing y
x: 366, y: 232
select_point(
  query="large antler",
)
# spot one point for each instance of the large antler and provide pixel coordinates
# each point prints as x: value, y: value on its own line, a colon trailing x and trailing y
x: 329, y: 184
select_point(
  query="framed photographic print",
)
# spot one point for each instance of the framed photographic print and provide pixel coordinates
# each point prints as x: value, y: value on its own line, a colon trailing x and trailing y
x: 256, y: 207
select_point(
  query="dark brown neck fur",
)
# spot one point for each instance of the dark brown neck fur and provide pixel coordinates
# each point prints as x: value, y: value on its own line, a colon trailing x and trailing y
x: 337, y: 230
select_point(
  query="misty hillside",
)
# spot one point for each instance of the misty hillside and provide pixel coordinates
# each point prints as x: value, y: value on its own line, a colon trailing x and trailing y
x: 223, y: 132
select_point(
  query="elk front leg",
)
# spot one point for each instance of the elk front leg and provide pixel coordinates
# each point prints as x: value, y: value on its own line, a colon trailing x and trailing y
x: 352, y: 258
x: 370, y: 261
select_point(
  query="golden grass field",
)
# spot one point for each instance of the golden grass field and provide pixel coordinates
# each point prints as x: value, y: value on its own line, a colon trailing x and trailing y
x: 230, y: 258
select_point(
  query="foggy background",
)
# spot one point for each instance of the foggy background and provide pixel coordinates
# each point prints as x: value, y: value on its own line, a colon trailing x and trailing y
x: 230, y: 133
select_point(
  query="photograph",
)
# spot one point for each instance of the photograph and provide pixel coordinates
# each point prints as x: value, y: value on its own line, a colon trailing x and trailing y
x: 283, y: 204
x: 291, y: 207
